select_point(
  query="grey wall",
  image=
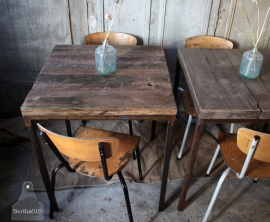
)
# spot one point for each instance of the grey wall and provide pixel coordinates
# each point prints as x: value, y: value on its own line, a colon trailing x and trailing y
x: 29, y: 29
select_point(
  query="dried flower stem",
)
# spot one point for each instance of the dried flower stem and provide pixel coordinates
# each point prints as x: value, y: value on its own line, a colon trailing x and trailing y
x: 259, y: 33
x: 114, y: 16
x: 246, y: 19
x: 258, y: 8
x: 264, y: 22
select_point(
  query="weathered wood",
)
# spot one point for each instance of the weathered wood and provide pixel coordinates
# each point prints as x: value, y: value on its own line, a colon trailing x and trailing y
x: 225, y: 94
x: 259, y: 88
x: 86, y: 148
x: 131, y: 14
x: 50, y: 25
x: 95, y: 15
x: 25, y: 45
x: 140, y: 87
x: 216, y: 95
x: 210, y: 99
x: 78, y: 20
x: 244, y: 139
x: 239, y: 33
x: 236, y: 93
x: 9, y: 59
x: 235, y: 158
x: 114, y: 38
x: 194, y: 15
x: 207, y: 42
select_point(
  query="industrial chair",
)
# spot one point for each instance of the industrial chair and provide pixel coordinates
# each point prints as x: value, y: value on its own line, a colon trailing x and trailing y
x: 246, y: 153
x: 198, y: 42
x: 94, y: 153
x: 115, y: 38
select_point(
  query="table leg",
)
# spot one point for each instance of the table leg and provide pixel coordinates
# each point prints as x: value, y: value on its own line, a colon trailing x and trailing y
x: 166, y: 163
x: 190, y: 164
x: 68, y: 126
x: 176, y: 80
x: 40, y: 158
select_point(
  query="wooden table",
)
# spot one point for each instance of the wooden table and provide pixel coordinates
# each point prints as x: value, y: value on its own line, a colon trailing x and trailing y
x: 220, y: 95
x: 69, y: 88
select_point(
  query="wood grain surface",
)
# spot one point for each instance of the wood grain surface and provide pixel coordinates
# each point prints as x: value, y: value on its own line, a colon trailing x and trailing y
x: 69, y: 87
x: 218, y: 91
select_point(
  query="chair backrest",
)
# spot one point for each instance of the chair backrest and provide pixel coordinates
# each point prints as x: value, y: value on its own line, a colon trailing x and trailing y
x: 208, y: 42
x: 114, y: 38
x: 245, y: 137
x: 85, y: 149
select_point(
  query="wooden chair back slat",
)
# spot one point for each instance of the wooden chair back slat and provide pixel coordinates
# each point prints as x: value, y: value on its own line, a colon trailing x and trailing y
x: 208, y: 42
x: 85, y: 149
x: 114, y: 38
x: 244, y: 139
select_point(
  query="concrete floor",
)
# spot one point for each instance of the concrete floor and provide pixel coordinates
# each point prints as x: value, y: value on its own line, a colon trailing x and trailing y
x: 239, y: 200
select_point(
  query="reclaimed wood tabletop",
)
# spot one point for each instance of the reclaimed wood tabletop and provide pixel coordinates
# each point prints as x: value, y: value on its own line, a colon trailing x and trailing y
x: 69, y: 88
x: 221, y: 95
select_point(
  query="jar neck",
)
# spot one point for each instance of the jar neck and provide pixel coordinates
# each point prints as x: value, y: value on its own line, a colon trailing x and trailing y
x: 105, y: 42
x: 255, y: 49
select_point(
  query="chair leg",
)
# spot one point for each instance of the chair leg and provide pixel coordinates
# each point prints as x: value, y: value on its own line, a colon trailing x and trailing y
x: 184, y: 138
x: 153, y: 131
x: 53, y: 202
x: 214, y: 197
x: 131, y: 133
x: 139, y: 162
x: 213, y: 160
x: 124, y: 186
x: 216, y: 153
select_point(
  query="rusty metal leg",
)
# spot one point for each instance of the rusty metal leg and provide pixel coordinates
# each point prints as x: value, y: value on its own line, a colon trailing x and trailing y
x: 166, y: 163
x: 265, y: 127
x: 190, y: 164
x: 68, y: 126
x: 153, y: 131
x: 40, y: 159
x: 131, y: 133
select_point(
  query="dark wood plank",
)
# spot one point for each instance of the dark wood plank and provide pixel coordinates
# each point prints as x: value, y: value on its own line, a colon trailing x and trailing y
x: 237, y: 95
x: 265, y: 72
x: 257, y: 87
x: 207, y: 97
x: 69, y: 87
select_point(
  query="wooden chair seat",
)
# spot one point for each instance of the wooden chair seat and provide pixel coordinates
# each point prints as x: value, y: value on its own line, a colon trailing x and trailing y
x: 114, y: 38
x: 94, y: 153
x: 188, y: 104
x: 127, y: 146
x: 235, y: 158
x: 208, y: 42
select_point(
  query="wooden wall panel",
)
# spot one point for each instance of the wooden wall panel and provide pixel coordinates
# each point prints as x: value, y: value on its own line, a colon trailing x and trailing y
x: 95, y: 16
x: 184, y: 19
x: 78, y: 20
x: 133, y: 18
x: 48, y: 23
x: 9, y: 59
x: 25, y: 45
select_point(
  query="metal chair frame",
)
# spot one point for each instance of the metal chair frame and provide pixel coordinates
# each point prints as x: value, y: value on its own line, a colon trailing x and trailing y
x: 64, y: 163
x: 240, y: 175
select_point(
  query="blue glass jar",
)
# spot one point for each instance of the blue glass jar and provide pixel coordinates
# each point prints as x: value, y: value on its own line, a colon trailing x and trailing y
x: 105, y: 59
x: 251, y: 64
